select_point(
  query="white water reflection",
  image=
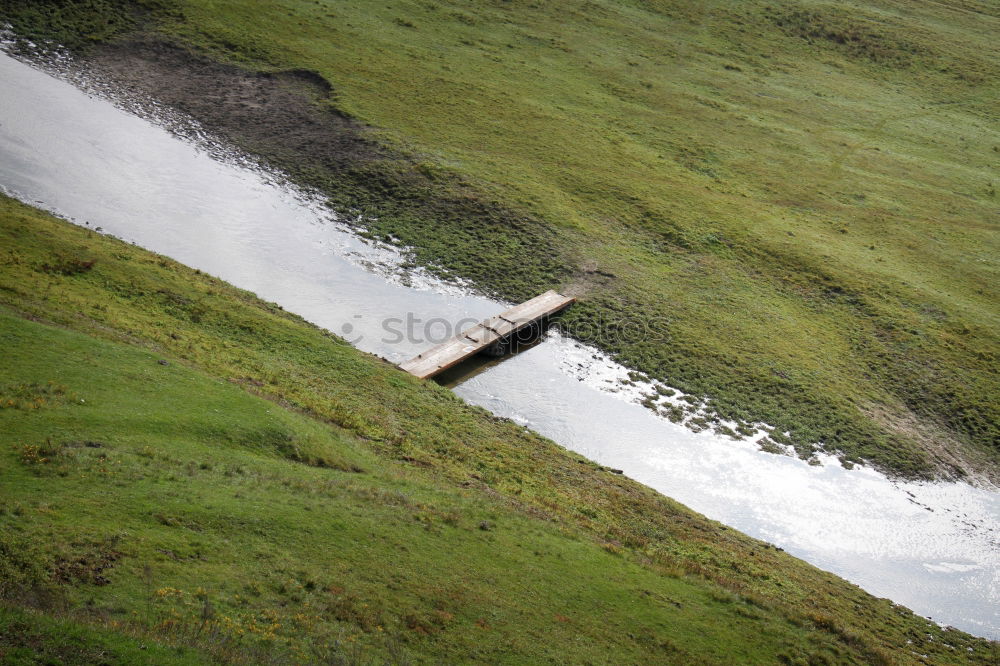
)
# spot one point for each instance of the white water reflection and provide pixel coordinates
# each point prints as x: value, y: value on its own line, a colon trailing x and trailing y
x: 931, y: 547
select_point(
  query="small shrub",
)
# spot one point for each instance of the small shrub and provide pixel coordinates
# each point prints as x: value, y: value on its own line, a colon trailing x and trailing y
x: 823, y: 621
x: 613, y: 547
x: 697, y: 424
x: 35, y: 455
x: 674, y: 413
x: 724, y: 596
x: 725, y: 431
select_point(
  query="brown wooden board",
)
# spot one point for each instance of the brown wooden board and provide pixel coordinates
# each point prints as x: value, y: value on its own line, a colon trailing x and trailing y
x: 482, y: 335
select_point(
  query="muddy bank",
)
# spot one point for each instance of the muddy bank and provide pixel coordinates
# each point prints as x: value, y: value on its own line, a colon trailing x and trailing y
x: 289, y: 118
x: 279, y: 114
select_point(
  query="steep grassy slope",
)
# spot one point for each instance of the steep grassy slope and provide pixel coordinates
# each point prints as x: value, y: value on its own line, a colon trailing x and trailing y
x: 788, y: 207
x: 269, y: 493
x: 152, y: 488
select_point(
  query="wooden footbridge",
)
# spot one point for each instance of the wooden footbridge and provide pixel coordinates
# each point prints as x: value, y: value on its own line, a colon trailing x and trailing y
x: 493, y: 332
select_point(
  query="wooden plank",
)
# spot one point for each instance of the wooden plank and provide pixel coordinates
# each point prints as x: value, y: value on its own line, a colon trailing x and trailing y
x: 482, y: 335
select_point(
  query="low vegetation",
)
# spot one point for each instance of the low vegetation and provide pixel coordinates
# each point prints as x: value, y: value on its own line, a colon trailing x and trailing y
x: 192, y: 474
x: 788, y: 206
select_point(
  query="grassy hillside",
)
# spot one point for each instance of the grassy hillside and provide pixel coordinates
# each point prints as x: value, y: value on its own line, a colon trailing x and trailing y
x: 191, y: 470
x: 788, y: 207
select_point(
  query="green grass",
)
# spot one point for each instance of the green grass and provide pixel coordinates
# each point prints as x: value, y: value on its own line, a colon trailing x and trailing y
x: 31, y: 638
x: 796, y: 199
x: 271, y: 494
x: 181, y: 482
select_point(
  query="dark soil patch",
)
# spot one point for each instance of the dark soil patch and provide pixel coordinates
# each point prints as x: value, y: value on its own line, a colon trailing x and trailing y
x: 289, y: 118
x: 87, y: 563
x: 276, y: 111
